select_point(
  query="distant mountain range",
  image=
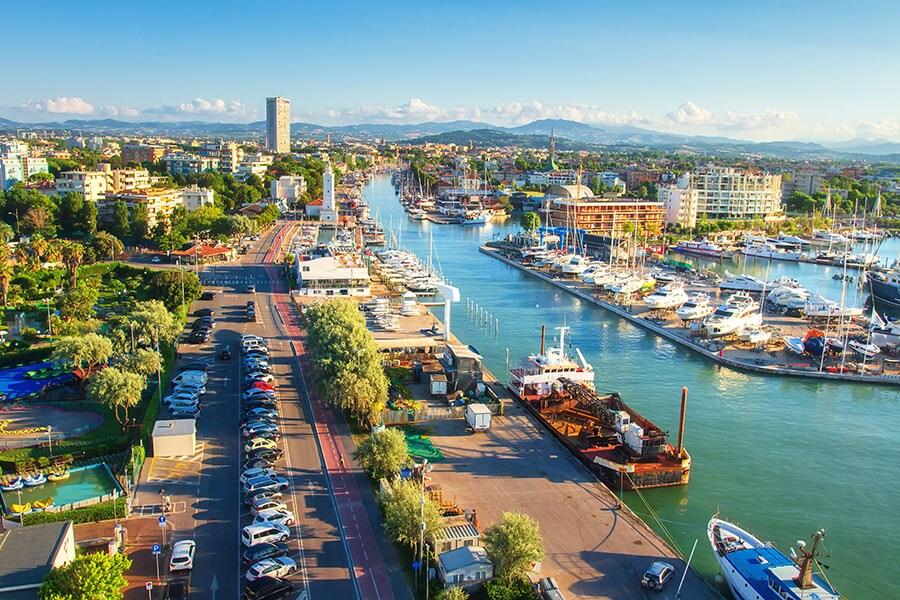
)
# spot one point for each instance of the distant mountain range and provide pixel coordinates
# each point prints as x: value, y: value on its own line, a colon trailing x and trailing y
x: 570, y: 135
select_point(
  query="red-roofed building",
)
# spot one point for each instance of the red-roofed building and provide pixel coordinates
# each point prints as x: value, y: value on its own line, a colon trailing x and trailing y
x: 314, y: 208
x: 205, y: 253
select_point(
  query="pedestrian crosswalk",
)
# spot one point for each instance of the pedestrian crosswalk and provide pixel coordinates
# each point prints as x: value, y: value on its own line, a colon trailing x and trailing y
x: 146, y: 510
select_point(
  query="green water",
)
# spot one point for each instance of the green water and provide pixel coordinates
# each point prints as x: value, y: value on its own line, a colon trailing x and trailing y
x: 782, y: 457
x: 82, y: 484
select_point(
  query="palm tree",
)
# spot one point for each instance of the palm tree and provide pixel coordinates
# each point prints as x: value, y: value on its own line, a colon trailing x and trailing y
x: 72, y: 255
x: 5, y: 272
x: 39, y: 247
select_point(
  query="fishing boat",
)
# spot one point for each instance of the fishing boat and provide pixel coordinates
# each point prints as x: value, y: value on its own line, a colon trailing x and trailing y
x: 34, y: 480
x: 536, y: 378
x: 698, y: 306
x: 863, y: 350
x: 671, y: 295
x: 622, y: 447
x: 739, y: 311
x: 756, y: 570
x: 742, y: 283
x: 771, y: 251
x: 58, y: 476
x: 12, y: 485
x: 703, y: 248
x: 794, y: 344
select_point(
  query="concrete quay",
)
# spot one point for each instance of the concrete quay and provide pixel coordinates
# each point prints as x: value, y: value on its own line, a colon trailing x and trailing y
x: 724, y: 353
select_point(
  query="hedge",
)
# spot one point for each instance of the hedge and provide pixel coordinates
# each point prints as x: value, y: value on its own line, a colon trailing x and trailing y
x: 25, y: 357
x: 89, y: 514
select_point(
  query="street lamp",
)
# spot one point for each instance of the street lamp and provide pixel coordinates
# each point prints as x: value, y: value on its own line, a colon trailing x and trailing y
x: 49, y: 324
x: 423, y: 468
x: 159, y: 390
x: 50, y: 438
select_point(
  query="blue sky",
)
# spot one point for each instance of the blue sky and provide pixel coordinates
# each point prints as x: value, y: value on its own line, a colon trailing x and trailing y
x: 755, y: 70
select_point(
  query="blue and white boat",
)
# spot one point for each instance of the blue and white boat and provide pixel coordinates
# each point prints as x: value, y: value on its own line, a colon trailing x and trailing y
x: 756, y: 570
x: 885, y: 286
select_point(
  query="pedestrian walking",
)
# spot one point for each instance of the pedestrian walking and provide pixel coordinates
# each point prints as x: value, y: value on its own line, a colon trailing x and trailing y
x: 341, y: 460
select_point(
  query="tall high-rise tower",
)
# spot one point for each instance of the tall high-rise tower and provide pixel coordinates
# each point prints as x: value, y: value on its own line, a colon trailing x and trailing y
x: 278, y: 125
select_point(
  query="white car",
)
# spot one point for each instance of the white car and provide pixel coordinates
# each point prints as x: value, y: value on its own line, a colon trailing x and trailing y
x: 252, y: 473
x: 182, y: 556
x: 192, y: 387
x: 282, y: 516
x: 184, y: 405
x: 180, y: 397
x: 272, y: 567
x: 185, y: 412
x: 261, y: 504
x: 260, y: 376
x: 258, y: 392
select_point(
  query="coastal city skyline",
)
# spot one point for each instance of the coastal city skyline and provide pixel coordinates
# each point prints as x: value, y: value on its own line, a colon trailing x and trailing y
x: 752, y: 75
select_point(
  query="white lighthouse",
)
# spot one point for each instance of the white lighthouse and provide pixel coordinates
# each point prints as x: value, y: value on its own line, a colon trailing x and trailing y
x: 329, y: 212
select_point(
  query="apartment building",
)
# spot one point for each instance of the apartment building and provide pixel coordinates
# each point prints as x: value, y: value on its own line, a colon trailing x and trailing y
x: 93, y: 185
x: 287, y: 189
x: 577, y: 207
x: 194, y: 197
x: 159, y: 202
x: 16, y: 163
x: 182, y: 163
x: 229, y: 154
x: 254, y: 164
x: 729, y: 193
x: 141, y: 153
x: 680, y: 205
x: 278, y: 125
x: 808, y: 181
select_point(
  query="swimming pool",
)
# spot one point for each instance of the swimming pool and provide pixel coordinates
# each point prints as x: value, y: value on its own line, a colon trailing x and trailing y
x: 85, y: 486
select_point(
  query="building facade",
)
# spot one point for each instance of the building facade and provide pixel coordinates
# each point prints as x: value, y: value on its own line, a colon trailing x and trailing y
x: 680, y: 205
x: 229, y: 154
x: 278, y: 125
x: 141, y: 153
x: 182, y: 163
x: 729, y: 193
x: 159, y: 202
x: 287, y: 189
x: 255, y: 164
x: 194, y: 197
x: 93, y: 185
x: 602, y: 216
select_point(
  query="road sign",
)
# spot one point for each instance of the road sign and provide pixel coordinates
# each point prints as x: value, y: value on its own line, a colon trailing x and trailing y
x: 157, y: 549
x: 162, y: 520
x: 416, y: 564
x: 149, y: 585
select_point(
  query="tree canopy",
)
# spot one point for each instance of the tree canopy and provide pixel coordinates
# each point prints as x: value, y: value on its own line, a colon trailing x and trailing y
x: 530, y: 221
x: 383, y: 453
x: 84, y: 352
x: 402, y: 505
x: 514, y: 544
x: 95, y: 576
x: 116, y: 388
x: 167, y: 287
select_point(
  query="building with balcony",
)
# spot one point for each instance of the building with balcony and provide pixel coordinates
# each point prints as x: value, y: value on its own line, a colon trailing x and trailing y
x: 182, y: 163
x: 287, y: 189
x: 729, y: 193
x: 159, y: 202
x: 680, y: 205
x: 194, y: 197
x: 344, y: 275
x: 255, y: 164
x: 577, y: 207
x: 229, y: 155
x: 141, y: 153
x: 278, y: 125
x: 93, y: 185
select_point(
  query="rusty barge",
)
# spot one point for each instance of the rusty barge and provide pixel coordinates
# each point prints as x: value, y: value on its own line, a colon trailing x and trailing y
x: 624, y: 448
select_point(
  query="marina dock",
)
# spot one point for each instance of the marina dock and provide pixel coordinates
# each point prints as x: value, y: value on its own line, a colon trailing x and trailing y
x: 739, y: 357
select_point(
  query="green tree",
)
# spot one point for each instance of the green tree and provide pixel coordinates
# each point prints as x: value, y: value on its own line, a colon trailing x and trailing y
x: 514, y: 545
x: 87, y: 219
x: 41, y: 177
x: 72, y: 255
x: 452, y: 593
x: 78, y: 302
x: 106, y: 244
x: 95, y: 576
x: 152, y: 318
x: 85, y: 352
x: 71, y: 204
x: 140, y: 222
x: 38, y: 219
x: 6, y: 272
x: 142, y: 361
x: 530, y: 221
x: 401, y: 502
x: 167, y: 286
x: 121, y: 226
x: 383, y: 453
x: 519, y: 589
x: 116, y: 388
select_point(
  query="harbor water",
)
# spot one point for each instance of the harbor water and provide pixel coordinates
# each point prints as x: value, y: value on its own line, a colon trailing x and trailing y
x: 781, y: 456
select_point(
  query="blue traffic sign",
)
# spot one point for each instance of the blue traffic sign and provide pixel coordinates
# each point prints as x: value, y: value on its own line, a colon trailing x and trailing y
x: 157, y: 549
x: 162, y: 520
x: 149, y: 585
x: 416, y: 564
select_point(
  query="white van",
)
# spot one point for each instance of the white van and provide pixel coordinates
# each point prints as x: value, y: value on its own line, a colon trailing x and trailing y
x: 262, y: 533
x: 190, y: 377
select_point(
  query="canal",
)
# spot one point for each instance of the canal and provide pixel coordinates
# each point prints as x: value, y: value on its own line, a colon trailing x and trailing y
x: 783, y: 457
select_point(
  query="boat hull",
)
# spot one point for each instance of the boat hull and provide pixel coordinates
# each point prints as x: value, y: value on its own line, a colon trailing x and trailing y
x: 885, y: 292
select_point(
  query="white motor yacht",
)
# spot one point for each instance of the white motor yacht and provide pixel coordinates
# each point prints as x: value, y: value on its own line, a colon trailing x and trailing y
x: 698, y: 306
x: 742, y: 283
x: 771, y: 251
x: 576, y: 265
x: 739, y: 311
x: 671, y: 295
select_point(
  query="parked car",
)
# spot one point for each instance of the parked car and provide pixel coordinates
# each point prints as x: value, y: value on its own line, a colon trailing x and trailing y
x: 265, y: 483
x: 259, y: 443
x: 250, y: 336
x: 267, y: 588
x: 156, y: 260
x: 195, y: 366
x: 259, y: 552
x: 251, y: 421
x: 262, y: 413
x: 275, y: 515
x: 258, y: 463
x: 261, y: 385
x: 259, y: 376
x: 182, y: 556
x: 249, y: 498
x: 270, y: 453
x: 258, y: 428
x: 208, y: 295
x: 261, y: 504
x: 185, y: 412
x: 261, y: 402
x: 190, y: 387
x: 281, y: 566
x: 254, y: 473
x: 180, y: 397
x: 187, y: 376
x: 658, y: 575
x: 255, y: 350
x: 251, y: 289
x: 262, y: 533
x: 204, y: 312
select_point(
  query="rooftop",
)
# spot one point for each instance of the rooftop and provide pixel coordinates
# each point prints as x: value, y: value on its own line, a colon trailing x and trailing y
x: 27, y: 553
x: 174, y: 427
x: 461, y: 558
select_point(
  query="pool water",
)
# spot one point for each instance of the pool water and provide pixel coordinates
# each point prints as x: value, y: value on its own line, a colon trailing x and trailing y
x: 84, y: 483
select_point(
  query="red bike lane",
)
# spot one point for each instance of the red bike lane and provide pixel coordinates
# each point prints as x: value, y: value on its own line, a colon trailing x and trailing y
x: 368, y: 568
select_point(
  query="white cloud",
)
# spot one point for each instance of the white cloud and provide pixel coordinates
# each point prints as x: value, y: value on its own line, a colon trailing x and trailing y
x: 517, y: 113
x: 119, y: 111
x: 690, y: 114
x: 768, y: 119
x: 60, y: 105
x: 414, y: 111
x: 879, y: 129
x: 200, y: 107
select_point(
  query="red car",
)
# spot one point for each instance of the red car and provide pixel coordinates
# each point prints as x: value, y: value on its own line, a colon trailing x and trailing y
x: 262, y: 385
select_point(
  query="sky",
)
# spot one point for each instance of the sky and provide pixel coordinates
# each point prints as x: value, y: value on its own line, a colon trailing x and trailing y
x: 763, y: 70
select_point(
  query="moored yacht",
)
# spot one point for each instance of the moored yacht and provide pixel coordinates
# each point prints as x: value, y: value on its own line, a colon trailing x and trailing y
x: 742, y: 283
x: 671, y: 295
x: 703, y: 248
x: 698, y: 306
x: 540, y: 374
x: 768, y: 250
